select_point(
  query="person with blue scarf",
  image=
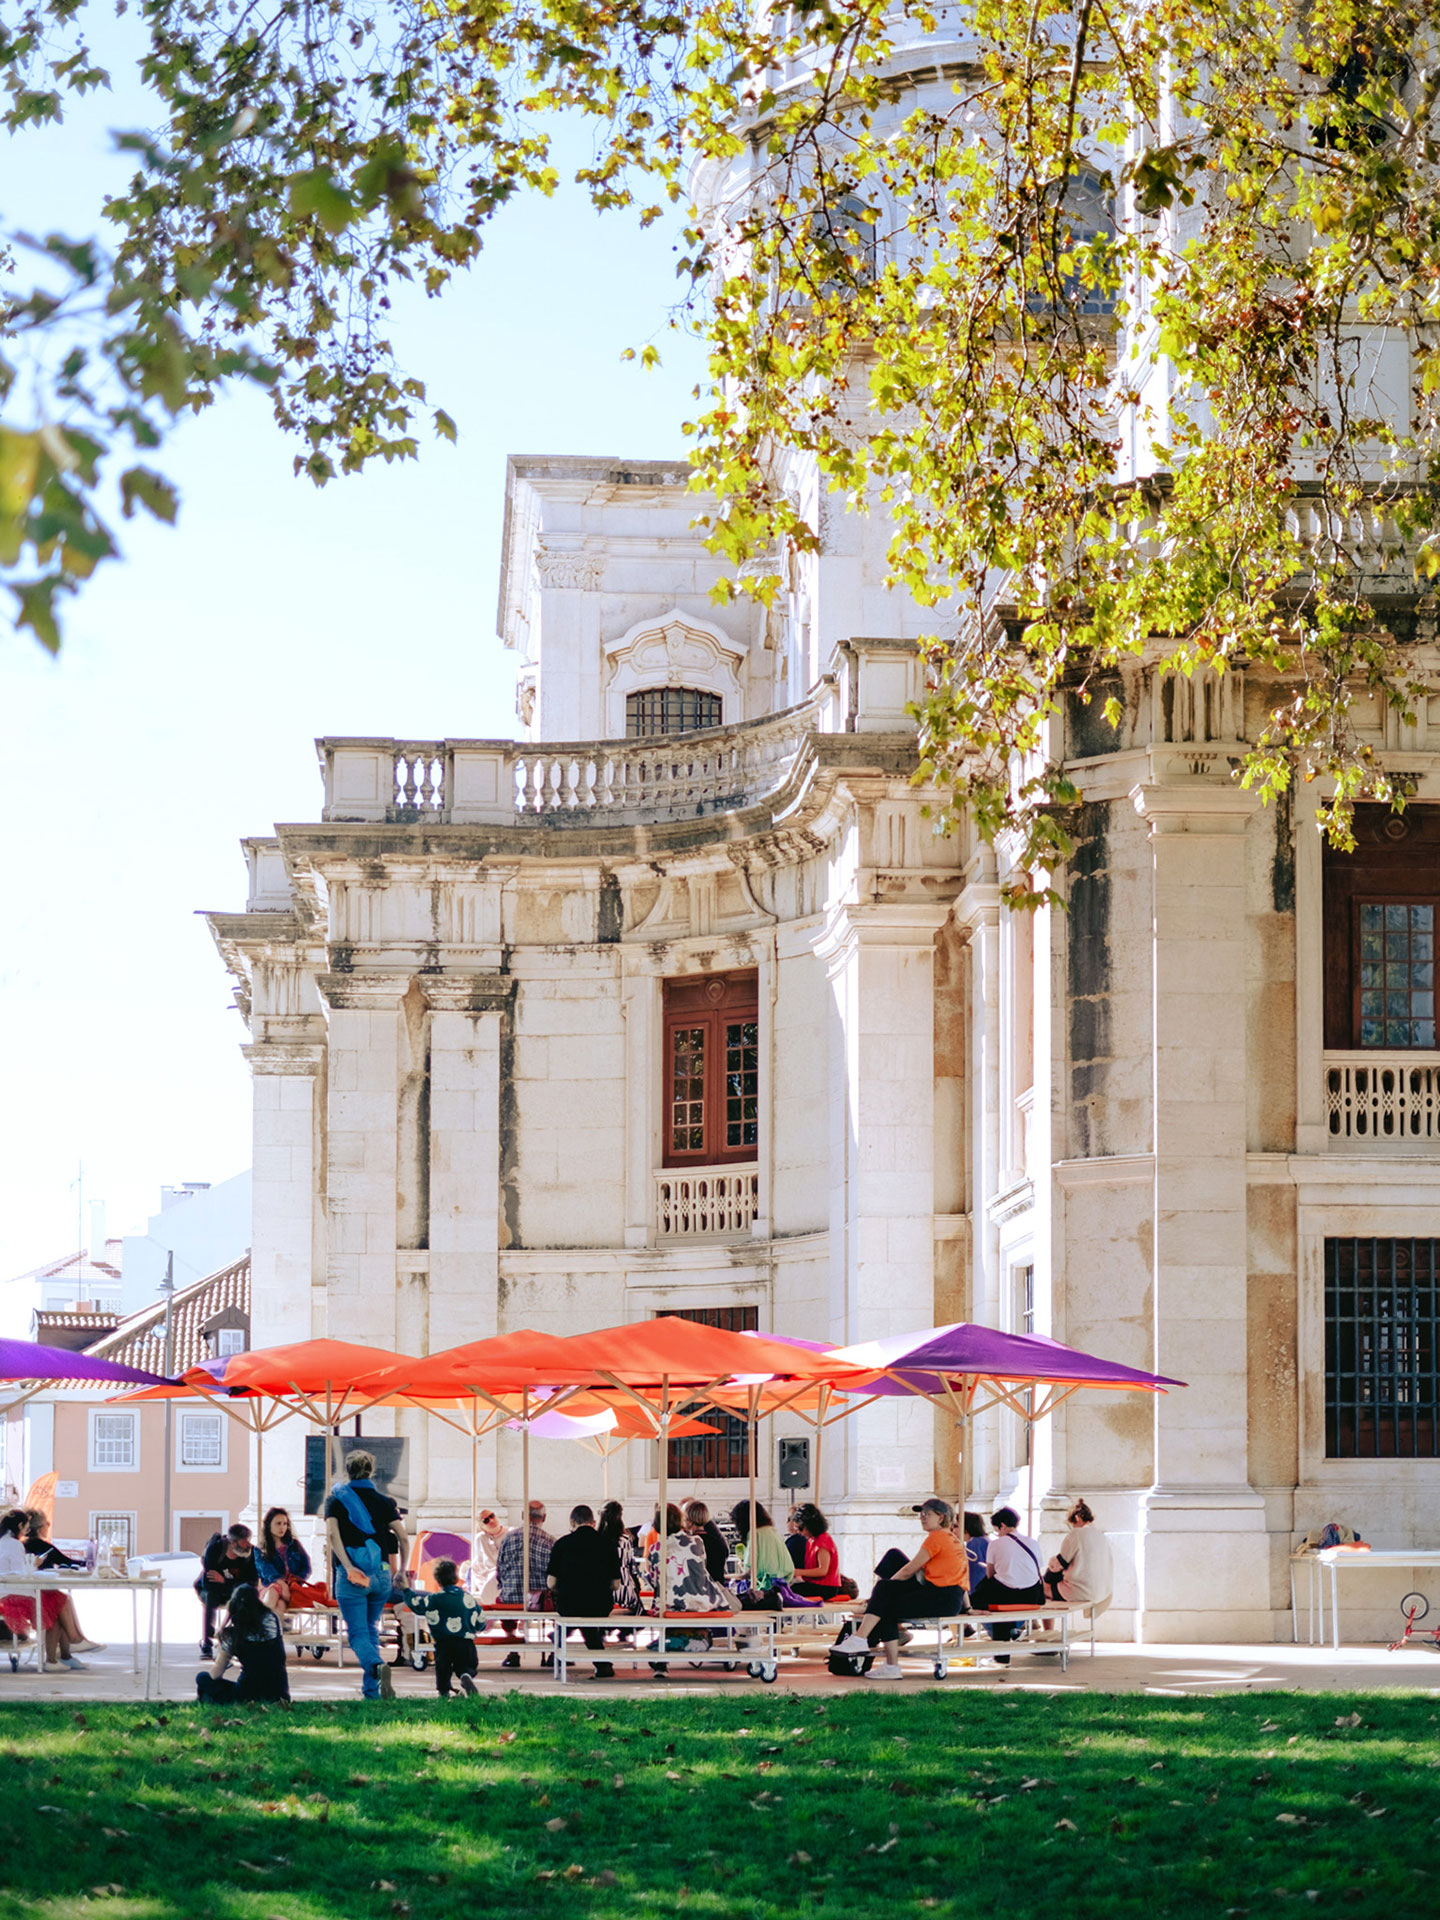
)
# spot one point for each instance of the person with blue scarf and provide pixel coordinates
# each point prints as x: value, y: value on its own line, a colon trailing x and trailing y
x: 363, y: 1528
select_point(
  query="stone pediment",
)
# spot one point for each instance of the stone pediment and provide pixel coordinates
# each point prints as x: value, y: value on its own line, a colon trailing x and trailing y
x: 673, y: 649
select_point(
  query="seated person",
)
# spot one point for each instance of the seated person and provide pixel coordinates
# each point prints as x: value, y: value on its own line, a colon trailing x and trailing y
x: 928, y: 1586
x: 977, y: 1546
x: 584, y: 1576
x: 795, y: 1542
x: 510, y: 1574
x: 284, y: 1567
x: 227, y: 1563
x: 45, y: 1553
x: 1012, y: 1574
x: 766, y: 1560
x: 717, y: 1553
x: 690, y: 1586
x: 253, y: 1636
x: 453, y: 1619
x: 17, y: 1605
x: 821, y: 1577
x: 1082, y: 1573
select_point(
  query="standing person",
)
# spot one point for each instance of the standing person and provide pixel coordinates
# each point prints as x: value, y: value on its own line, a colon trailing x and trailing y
x: 584, y: 1574
x: 821, y: 1577
x: 928, y: 1586
x: 17, y: 1606
x: 1082, y: 1572
x: 284, y: 1567
x: 627, y: 1555
x: 252, y: 1635
x: 766, y: 1560
x: 227, y: 1563
x: 484, y: 1552
x: 364, y: 1531
x: 1012, y: 1575
x: 717, y: 1554
x: 510, y: 1573
x: 454, y: 1618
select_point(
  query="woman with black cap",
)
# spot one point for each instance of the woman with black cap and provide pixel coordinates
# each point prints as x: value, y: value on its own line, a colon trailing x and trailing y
x: 928, y: 1586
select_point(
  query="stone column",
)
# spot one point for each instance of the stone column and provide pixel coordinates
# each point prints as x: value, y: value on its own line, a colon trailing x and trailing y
x: 1203, y: 1571
x: 977, y: 913
x: 285, y: 1303
x: 469, y: 1016
x: 882, y: 1208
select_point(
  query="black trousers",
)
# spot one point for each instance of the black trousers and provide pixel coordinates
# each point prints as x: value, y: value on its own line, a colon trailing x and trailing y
x: 894, y: 1601
x: 990, y: 1593
x: 453, y: 1654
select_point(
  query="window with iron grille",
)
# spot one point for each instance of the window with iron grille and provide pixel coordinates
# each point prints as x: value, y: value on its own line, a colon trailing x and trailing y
x: 115, y: 1530
x: 112, y: 1440
x: 1382, y: 1306
x: 660, y: 710
x: 712, y: 1069
x: 202, y: 1444
x: 724, y: 1455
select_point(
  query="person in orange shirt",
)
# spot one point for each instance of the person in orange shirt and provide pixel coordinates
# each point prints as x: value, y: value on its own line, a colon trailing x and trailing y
x: 928, y: 1586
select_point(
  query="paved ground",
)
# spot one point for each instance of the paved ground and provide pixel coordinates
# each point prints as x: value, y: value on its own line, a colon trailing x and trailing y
x: 1116, y: 1668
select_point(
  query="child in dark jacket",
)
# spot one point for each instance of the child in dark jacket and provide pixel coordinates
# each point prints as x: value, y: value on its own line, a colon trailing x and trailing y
x: 453, y: 1619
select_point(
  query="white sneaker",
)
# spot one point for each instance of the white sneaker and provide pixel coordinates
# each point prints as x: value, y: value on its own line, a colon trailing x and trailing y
x: 87, y: 1646
x: 75, y: 1666
x: 883, y: 1670
x: 853, y: 1643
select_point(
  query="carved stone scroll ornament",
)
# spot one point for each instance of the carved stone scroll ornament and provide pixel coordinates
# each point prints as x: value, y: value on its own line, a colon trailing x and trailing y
x: 579, y: 571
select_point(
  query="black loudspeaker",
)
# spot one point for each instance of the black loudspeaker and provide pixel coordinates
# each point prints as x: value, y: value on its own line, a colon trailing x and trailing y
x: 794, y: 1463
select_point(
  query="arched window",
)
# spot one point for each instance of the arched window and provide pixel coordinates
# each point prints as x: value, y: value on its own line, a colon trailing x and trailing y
x: 657, y: 710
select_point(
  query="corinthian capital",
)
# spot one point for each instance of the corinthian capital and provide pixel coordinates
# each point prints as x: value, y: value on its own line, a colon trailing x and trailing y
x: 560, y: 568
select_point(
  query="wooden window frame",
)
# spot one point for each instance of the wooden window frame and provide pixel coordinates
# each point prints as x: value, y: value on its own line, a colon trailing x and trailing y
x: 1395, y: 859
x: 711, y: 1002
x: 1372, y: 897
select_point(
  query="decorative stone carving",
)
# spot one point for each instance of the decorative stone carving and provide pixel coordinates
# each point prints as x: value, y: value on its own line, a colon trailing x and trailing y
x: 676, y: 650
x: 579, y: 571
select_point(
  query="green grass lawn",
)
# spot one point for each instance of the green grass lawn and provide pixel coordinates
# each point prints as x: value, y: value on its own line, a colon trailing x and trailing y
x: 939, y: 1802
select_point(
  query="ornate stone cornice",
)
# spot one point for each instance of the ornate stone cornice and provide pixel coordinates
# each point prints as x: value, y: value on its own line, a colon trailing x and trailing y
x: 362, y: 992
x: 467, y: 992
x: 300, y: 1060
x: 576, y: 570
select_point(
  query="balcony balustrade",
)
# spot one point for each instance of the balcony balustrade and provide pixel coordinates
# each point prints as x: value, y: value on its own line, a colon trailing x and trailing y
x: 1384, y: 1100
x: 579, y: 783
x: 695, y: 1202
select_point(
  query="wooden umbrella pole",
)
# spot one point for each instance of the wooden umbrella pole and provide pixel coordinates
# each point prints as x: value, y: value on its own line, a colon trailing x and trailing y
x: 663, y: 1530
x: 259, y: 1480
x: 750, y: 1449
x: 475, y: 1483
x: 819, y: 1444
x: 525, y: 1496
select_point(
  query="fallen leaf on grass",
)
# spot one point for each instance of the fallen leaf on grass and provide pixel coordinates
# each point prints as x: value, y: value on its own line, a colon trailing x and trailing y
x: 1271, y: 1726
x: 1348, y: 1720
x: 798, y: 1859
x: 1068, y: 1825
x: 49, y: 1809
x: 618, y: 1782
x: 557, y: 1825
x: 116, y: 1833
x: 386, y: 1886
x: 1374, y: 1813
x: 1290, y: 1819
x: 607, y: 1877
x: 574, y: 1872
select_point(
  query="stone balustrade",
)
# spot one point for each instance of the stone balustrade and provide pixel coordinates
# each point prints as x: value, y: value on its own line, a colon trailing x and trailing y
x: 692, y: 1202
x: 503, y: 782
x: 1383, y: 1100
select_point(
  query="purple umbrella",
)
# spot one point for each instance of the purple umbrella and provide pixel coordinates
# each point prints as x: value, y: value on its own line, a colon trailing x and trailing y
x: 924, y: 1362
x: 24, y: 1360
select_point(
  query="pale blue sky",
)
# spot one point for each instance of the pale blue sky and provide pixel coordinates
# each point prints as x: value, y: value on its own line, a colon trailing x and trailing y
x: 198, y: 671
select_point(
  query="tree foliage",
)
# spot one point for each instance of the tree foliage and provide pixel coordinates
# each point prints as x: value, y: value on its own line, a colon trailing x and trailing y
x: 1125, y: 316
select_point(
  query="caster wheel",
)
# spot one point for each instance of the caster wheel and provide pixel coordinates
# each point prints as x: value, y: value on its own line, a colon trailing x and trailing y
x: 770, y: 1675
x: 942, y: 1669
x: 418, y: 1662
x: 317, y: 1653
x: 731, y: 1665
x: 754, y: 1669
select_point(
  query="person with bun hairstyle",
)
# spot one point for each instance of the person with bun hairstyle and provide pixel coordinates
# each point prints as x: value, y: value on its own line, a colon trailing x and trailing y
x: 1082, y: 1572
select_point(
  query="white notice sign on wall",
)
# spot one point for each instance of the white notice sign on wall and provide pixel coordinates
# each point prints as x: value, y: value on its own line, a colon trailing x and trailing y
x: 67, y: 1489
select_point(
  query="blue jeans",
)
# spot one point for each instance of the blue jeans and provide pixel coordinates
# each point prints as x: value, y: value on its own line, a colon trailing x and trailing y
x: 361, y: 1608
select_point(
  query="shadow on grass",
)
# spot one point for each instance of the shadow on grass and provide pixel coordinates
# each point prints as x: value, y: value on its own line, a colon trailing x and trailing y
x: 1025, y: 1807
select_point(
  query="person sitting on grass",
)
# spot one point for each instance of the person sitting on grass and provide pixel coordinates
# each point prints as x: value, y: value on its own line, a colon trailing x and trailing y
x: 1012, y: 1575
x: 252, y: 1635
x: 227, y: 1563
x: 284, y: 1567
x: 17, y: 1606
x: 454, y: 1619
x: 584, y: 1576
x: 928, y: 1586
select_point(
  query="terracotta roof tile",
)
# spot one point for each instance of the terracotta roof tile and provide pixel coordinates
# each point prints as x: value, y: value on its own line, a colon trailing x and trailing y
x: 140, y: 1340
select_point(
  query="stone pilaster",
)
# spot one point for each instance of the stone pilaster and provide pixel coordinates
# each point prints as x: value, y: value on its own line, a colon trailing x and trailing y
x: 1201, y: 1490
x: 880, y: 962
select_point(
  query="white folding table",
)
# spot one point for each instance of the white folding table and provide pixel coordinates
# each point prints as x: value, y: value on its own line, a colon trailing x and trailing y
x: 1334, y: 1561
x: 65, y: 1580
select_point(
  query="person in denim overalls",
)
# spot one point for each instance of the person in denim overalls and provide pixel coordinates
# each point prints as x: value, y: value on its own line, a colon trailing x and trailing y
x: 363, y: 1528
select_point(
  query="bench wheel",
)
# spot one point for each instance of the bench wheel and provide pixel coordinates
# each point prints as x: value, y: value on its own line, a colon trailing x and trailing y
x: 1420, y: 1604
x: 942, y: 1669
x: 418, y: 1660
x: 754, y: 1669
x: 731, y: 1665
x: 770, y: 1672
x: 317, y: 1653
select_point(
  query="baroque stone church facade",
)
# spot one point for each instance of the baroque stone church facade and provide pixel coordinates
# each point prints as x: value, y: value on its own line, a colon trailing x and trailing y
x: 678, y: 1002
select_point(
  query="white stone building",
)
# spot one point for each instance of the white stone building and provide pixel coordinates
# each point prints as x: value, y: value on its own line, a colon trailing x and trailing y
x: 679, y: 1003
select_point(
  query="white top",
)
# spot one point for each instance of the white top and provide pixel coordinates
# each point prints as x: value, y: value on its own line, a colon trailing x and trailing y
x: 13, y: 1559
x: 1007, y: 1561
x: 1090, y: 1573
